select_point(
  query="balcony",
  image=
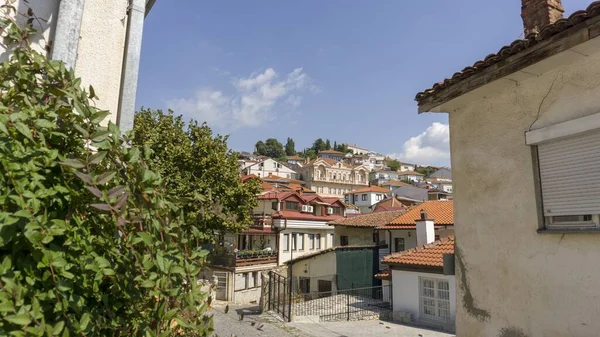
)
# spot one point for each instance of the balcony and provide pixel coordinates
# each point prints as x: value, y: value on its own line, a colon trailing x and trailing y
x: 244, y: 258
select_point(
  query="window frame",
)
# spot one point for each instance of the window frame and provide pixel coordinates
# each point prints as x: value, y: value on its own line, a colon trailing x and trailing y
x: 285, y: 242
x: 344, y: 240
x: 396, y: 242
x: 291, y: 203
x: 438, y: 292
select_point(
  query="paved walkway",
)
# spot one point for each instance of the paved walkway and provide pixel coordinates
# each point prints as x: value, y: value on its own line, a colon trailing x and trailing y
x: 364, y: 328
x: 253, y: 324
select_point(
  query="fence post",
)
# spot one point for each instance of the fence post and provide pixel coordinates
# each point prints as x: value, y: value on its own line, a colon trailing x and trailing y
x: 348, y: 303
x: 290, y: 298
x: 284, y: 286
x: 269, y: 289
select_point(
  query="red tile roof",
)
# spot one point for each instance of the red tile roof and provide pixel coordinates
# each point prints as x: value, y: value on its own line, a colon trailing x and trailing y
x: 442, y: 213
x: 385, y: 274
x: 248, y: 177
x: 411, y: 173
x: 394, y: 182
x: 516, y: 47
x: 305, y: 216
x: 373, y: 189
x: 368, y: 220
x: 430, y: 255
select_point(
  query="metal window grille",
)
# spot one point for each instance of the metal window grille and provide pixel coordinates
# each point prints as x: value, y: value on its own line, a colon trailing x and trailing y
x: 434, y: 298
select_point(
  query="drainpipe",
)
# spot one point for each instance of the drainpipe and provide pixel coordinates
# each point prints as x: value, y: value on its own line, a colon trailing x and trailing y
x: 68, y: 29
x: 136, y: 12
x: 390, y: 240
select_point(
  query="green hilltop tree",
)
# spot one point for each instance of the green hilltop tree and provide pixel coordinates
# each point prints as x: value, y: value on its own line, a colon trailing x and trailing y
x: 290, y: 147
x: 394, y: 165
x: 198, y: 166
x: 274, y: 149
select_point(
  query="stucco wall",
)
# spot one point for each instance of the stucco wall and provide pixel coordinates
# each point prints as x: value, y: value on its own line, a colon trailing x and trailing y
x: 513, y: 281
x: 101, y: 44
x: 405, y: 292
x: 322, y: 266
x: 286, y: 255
x: 356, y: 236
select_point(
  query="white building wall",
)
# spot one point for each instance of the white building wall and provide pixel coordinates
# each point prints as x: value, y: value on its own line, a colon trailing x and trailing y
x: 405, y: 292
x: 300, y: 228
x: 545, y: 284
x: 101, y: 45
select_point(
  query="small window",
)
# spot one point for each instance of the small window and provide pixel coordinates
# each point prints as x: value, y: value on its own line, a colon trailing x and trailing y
x: 304, y: 285
x: 274, y: 205
x: 364, y: 197
x: 337, y: 210
x: 318, y: 241
x: 286, y: 244
x: 300, y: 241
x: 343, y: 240
x: 330, y: 241
x: 399, y: 244
x: 291, y: 205
x: 437, y: 237
x: 294, y: 237
x: 311, y: 241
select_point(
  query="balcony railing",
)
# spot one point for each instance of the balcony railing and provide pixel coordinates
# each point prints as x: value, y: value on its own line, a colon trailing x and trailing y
x: 244, y: 258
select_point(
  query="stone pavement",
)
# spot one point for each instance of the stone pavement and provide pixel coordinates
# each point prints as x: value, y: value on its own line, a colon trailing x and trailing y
x: 372, y: 328
x: 253, y: 324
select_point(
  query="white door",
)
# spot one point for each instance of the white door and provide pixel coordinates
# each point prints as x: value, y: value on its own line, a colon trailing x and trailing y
x: 222, y: 280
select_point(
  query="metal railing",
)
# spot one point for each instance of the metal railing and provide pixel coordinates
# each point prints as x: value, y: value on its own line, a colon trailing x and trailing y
x: 348, y: 304
x: 279, y: 296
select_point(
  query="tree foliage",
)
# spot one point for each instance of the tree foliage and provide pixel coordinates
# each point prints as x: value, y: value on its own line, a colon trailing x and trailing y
x: 199, y: 166
x: 394, y: 165
x: 426, y: 170
x: 90, y: 242
x: 290, y: 147
x: 327, y: 145
x: 318, y: 145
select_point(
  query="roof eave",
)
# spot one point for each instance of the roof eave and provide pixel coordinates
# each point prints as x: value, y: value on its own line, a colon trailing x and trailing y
x: 149, y: 5
x: 527, y: 58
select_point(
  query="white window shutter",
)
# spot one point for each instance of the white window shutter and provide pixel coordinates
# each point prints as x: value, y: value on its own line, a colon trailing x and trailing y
x: 570, y: 175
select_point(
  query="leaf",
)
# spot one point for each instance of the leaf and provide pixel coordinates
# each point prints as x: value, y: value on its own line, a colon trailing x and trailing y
x: 160, y: 262
x: 102, y: 207
x: 81, y: 130
x: 98, y: 157
x: 99, y: 136
x: 75, y: 163
x: 121, y: 201
x: 3, y: 128
x: 116, y: 191
x: 99, y: 116
x: 21, y: 319
x: 58, y: 328
x: 94, y: 191
x: 92, y: 93
x: 24, y: 130
x: 84, y: 177
x: 45, y: 124
x: 105, y: 177
x: 133, y: 155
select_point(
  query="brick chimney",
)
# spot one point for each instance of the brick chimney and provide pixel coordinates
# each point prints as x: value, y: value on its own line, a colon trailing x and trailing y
x: 537, y: 14
x: 425, y: 229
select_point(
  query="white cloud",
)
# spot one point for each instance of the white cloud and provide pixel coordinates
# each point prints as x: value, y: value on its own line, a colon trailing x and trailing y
x: 432, y: 147
x: 253, y: 102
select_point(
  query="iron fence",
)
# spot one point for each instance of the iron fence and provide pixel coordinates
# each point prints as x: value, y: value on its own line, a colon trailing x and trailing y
x: 279, y: 299
x: 347, y: 304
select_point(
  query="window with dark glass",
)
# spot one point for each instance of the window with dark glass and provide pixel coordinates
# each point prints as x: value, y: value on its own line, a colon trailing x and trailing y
x: 291, y: 205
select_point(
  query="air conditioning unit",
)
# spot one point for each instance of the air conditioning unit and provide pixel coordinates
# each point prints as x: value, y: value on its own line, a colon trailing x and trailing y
x: 310, y: 209
x: 329, y: 210
x: 305, y: 208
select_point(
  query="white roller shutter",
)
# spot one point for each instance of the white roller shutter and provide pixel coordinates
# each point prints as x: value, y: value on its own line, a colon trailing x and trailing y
x: 570, y: 175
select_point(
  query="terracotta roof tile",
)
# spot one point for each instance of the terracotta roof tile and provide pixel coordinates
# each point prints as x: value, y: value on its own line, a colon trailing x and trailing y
x: 430, y: 255
x: 375, y: 189
x: 368, y: 220
x: 394, y: 182
x: 442, y: 213
x: 515, y: 47
x: 305, y: 216
x: 412, y: 173
x: 385, y: 274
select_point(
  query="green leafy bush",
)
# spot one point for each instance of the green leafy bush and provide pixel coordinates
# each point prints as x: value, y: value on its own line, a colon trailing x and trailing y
x: 89, y: 243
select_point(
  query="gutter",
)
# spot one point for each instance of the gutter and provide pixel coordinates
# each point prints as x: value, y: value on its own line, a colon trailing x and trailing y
x: 68, y: 30
x: 136, y: 12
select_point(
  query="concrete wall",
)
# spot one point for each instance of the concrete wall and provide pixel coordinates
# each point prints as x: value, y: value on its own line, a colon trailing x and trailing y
x: 101, y: 45
x: 405, y: 290
x: 286, y: 255
x: 356, y: 236
x: 322, y: 266
x: 513, y: 281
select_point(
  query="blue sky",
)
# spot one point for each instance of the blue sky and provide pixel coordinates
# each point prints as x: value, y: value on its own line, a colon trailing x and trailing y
x: 337, y: 69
